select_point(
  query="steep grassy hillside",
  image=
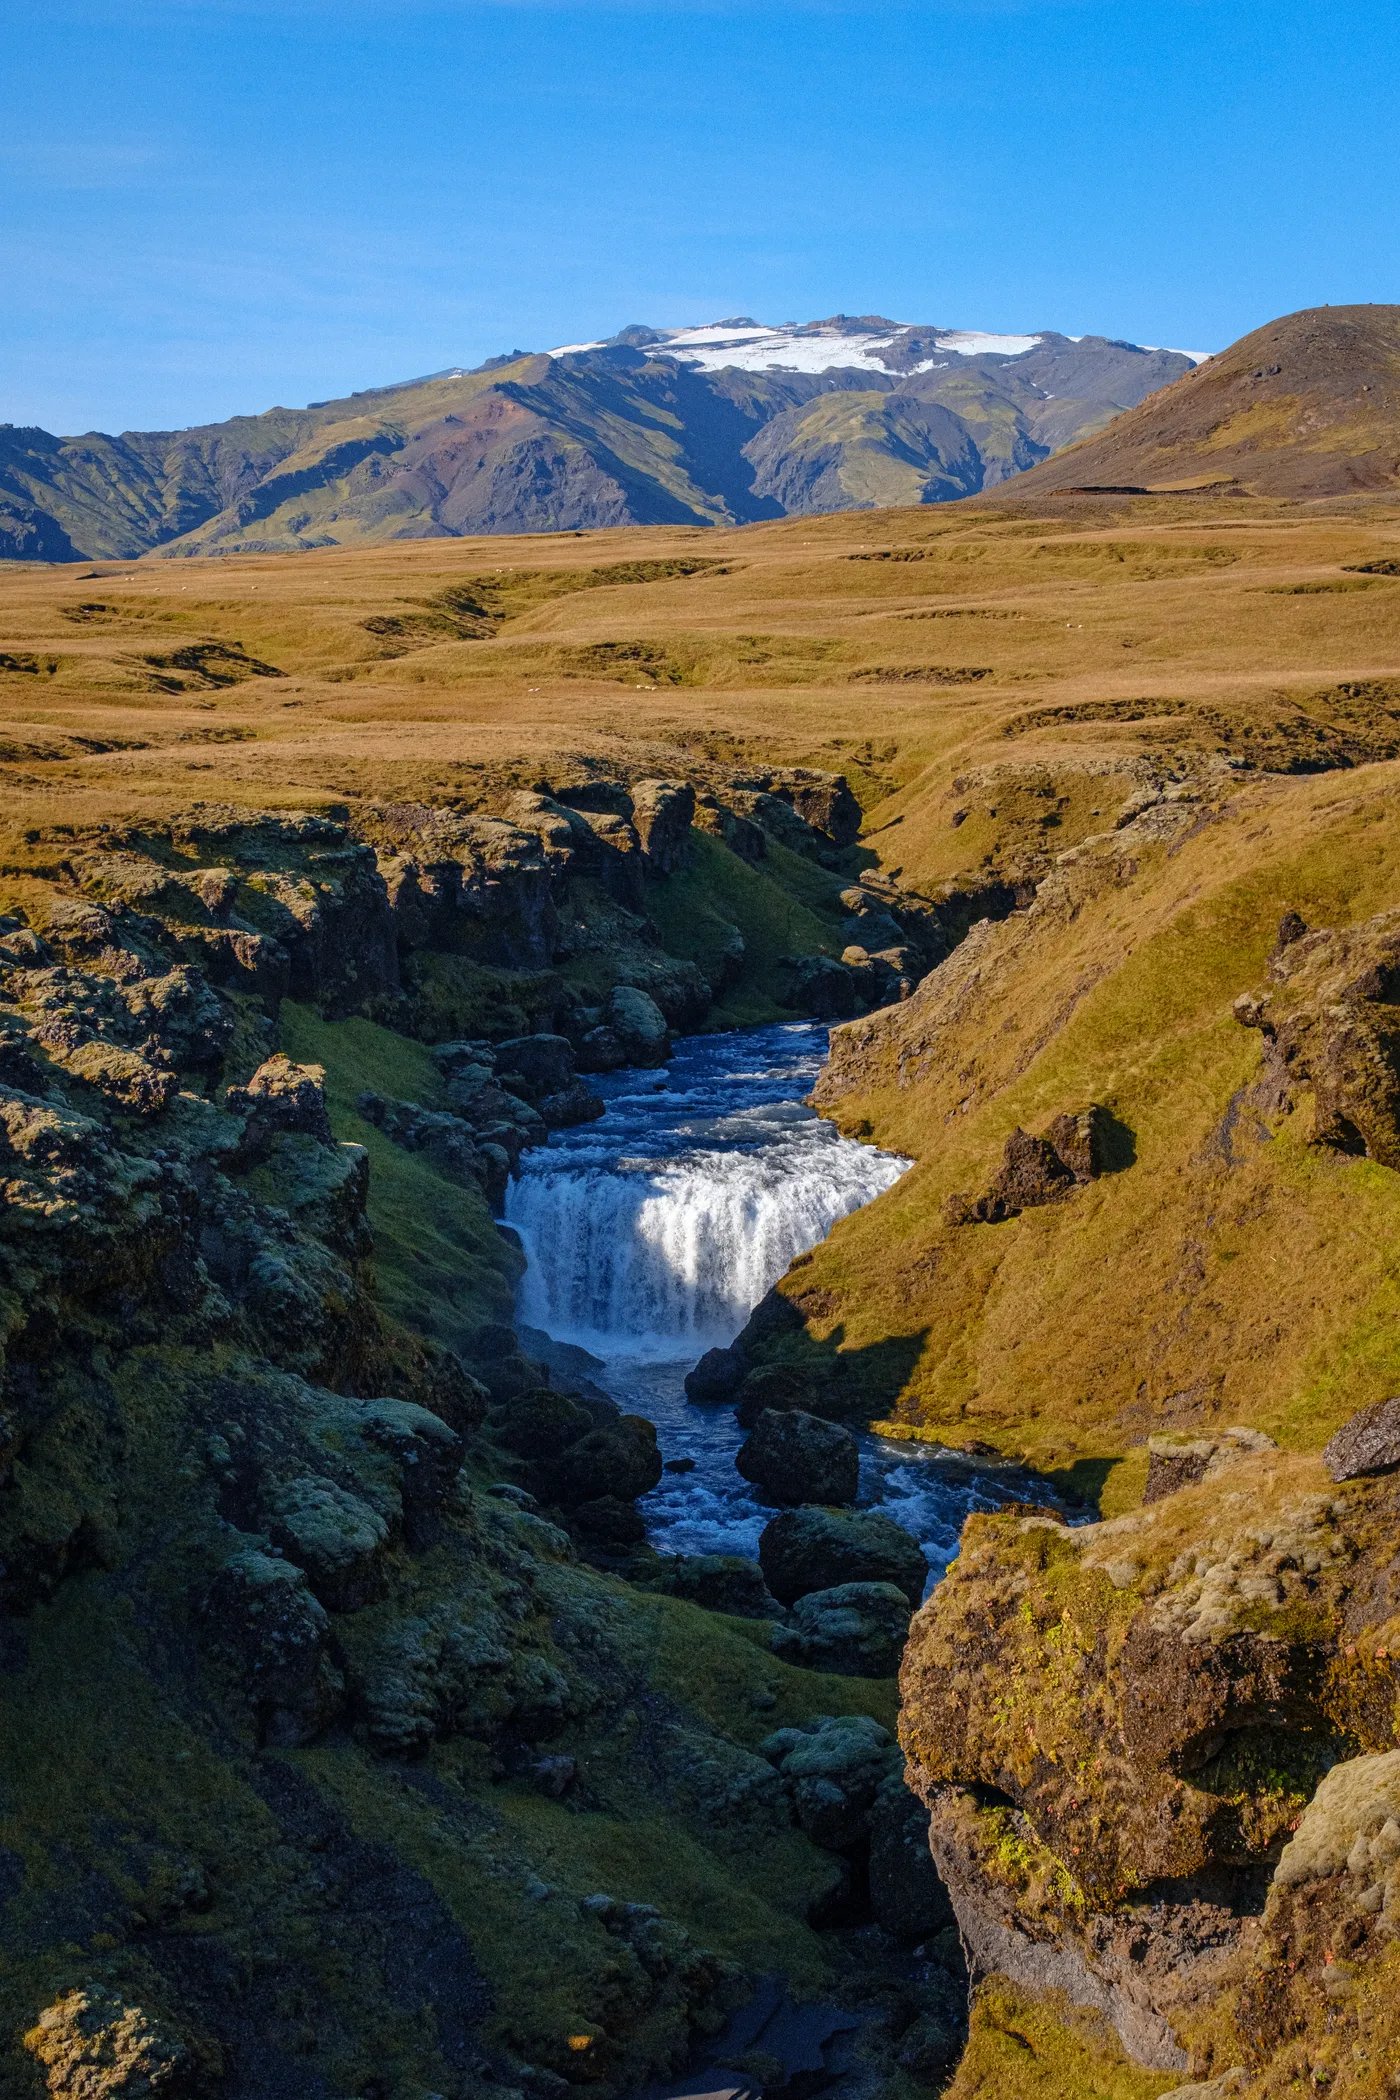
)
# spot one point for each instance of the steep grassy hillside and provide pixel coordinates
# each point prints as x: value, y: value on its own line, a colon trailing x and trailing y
x: 1307, y: 406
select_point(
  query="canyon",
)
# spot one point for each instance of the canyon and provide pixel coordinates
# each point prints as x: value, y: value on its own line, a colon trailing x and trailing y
x: 402, y: 943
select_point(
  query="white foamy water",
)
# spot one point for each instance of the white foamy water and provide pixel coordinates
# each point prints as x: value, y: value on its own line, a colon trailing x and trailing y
x: 653, y: 1233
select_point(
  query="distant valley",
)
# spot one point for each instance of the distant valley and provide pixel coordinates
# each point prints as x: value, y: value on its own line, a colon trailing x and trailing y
x: 730, y: 424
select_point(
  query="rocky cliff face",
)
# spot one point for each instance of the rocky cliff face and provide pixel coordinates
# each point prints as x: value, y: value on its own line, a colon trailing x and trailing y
x: 340, y: 1755
x: 1155, y: 1112
x: 1160, y: 1756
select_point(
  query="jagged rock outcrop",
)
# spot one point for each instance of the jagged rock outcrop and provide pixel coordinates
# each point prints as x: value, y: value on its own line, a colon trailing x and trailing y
x: 474, y: 880
x: 662, y: 811
x: 93, y: 2046
x: 1368, y: 1443
x: 1330, y: 1017
x: 806, y: 811
x: 1181, y: 1679
x: 281, y: 1097
x: 541, y: 1068
x: 1035, y: 1170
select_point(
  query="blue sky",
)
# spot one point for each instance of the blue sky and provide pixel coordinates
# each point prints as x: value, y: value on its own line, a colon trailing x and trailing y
x: 209, y: 206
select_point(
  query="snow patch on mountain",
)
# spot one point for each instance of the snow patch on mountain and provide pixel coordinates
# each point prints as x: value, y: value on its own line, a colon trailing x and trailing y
x: 817, y: 346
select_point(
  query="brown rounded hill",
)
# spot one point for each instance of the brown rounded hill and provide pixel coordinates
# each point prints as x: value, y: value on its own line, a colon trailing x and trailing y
x: 1306, y: 406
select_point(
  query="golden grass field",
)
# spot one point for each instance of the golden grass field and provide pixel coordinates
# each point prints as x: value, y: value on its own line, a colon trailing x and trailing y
x: 901, y: 646
x: 995, y: 682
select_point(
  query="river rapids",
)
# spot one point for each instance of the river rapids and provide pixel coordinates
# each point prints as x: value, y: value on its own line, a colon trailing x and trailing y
x: 650, y: 1236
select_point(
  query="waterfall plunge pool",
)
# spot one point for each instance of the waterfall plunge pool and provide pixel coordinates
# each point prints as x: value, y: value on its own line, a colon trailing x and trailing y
x: 650, y: 1236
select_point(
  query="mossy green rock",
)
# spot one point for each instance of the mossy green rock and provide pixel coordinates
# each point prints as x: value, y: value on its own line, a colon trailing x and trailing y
x: 818, y: 1549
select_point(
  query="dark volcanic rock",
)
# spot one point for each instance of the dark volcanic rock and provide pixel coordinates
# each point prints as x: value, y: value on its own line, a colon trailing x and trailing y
x: 856, y: 1629
x: 906, y: 1895
x: 834, y: 1768
x: 817, y: 984
x: 336, y: 1536
x: 1036, y: 1170
x: 1368, y: 1443
x: 262, y: 1617
x: 818, y: 1549
x: 610, y: 1523
x: 620, y: 1460
x: 826, y: 802
x: 796, y: 1457
x: 542, y: 1423
x: 717, y: 1376
x: 639, y: 1025
x: 739, y: 833
x: 724, y: 1582
x: 540, y: 1069
x: 281, y: 1097
x: 572, y: 1104
x: 448, y: 1140
x: 772, y: 1388
x: 1331, y: 1024
x: 601, y: 1049
x: 544, y: 1063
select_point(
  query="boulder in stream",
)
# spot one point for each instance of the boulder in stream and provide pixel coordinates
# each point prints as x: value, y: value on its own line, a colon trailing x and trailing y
x: 717, y: 1377
x: 817, y: 1549
x: 618, y: 1461
x: 639, y: 1024
x: 796, y: 1457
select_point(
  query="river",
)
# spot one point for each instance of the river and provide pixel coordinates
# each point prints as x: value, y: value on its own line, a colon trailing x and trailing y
x: 652, y: 1233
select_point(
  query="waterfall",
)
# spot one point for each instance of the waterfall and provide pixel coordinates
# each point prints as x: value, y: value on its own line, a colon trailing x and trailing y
x: 654, y: 1233
x: 651, y: 1235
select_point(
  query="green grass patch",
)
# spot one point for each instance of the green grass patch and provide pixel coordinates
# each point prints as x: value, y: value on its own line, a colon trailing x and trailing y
x: 785, y: 906
x: 1044, y: 2048
x: 441, y: 1265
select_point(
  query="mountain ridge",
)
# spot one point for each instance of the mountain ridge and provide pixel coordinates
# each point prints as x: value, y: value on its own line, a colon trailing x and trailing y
x: 1308, y: 405
x: 721, y: 425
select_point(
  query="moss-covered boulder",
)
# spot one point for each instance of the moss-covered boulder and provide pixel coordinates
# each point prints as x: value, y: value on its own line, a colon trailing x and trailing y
x: 817, y: 1549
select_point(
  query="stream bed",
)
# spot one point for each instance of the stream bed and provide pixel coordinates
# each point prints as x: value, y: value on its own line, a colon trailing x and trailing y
x: 652, y: 1233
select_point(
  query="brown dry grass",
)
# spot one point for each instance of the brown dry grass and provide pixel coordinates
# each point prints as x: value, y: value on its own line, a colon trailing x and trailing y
x: 1194, y: 1287
x: 798, y: 652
